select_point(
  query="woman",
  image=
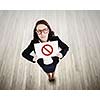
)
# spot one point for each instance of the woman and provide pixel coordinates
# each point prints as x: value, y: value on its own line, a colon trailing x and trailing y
x: 43, y: 33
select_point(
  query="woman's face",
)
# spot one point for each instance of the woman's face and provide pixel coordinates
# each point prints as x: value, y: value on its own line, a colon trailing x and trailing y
x: 42, y: 32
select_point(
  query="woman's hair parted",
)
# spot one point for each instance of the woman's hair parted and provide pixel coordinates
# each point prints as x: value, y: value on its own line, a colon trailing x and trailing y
x: 51, y: 33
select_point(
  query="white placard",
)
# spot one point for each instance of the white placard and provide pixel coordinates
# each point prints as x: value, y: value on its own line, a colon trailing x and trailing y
x: 46, y: 49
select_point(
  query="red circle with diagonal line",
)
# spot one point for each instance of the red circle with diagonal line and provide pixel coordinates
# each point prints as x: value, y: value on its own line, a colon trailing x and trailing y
x: 47, y: 50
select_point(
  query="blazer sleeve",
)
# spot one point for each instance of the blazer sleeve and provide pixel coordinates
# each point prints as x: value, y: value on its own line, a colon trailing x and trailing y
x: 27, y: 51
x: 63, y: 46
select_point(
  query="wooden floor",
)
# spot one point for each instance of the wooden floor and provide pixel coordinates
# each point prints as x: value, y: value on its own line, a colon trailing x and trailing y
x: 79, y: 69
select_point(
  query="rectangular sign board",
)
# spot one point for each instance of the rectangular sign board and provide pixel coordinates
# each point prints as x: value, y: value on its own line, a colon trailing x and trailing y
x: 46, y: 49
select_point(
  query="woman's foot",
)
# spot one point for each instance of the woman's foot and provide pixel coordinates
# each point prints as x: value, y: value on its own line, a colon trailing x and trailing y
x: 51, y: 77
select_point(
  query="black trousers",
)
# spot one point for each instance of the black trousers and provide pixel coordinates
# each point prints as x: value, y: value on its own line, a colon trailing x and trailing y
x: 50, y: 67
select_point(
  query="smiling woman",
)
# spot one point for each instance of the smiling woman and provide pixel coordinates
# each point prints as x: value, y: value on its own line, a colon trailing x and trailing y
x: 43, y: 33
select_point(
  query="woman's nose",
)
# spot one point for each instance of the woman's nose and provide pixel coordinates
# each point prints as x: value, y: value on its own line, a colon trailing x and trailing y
x: 42, y: 33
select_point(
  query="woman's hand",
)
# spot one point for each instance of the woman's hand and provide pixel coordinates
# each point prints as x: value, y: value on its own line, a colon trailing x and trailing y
x: 59, y: 55
x: 35, y: 57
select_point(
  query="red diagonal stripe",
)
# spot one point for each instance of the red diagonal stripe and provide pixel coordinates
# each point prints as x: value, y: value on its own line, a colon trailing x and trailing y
x: 47, y: 50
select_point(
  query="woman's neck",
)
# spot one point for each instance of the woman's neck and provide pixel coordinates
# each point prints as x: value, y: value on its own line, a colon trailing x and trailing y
x: 42, y: 41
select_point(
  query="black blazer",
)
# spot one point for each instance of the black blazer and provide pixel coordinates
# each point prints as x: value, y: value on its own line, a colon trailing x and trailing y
x: 30, y: 48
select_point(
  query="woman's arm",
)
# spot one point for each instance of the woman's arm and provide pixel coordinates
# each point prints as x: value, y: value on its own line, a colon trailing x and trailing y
x: 27, y: 51
x: 63, y: 46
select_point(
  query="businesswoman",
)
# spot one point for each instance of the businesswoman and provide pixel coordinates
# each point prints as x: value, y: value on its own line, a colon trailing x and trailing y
x: 43, y: 33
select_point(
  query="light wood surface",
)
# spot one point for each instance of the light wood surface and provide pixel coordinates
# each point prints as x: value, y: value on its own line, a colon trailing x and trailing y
x: 79, y: 69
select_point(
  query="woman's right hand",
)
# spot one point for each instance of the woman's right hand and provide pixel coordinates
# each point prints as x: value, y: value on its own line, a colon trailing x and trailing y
x: 35, y: 57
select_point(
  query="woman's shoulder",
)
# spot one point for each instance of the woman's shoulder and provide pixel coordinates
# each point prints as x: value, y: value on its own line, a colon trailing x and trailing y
x: 34, y: 41
x: 31, y: 44
x: 54, y: 38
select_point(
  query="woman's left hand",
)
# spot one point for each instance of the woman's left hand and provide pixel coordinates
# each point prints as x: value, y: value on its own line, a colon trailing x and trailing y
x: 59, y: 55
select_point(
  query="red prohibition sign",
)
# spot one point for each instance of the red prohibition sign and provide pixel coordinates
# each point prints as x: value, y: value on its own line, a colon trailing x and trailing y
x: 49, y: 51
